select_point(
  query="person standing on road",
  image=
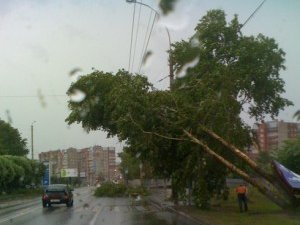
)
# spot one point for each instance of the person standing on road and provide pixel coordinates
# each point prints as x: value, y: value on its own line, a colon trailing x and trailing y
x: 241, y: 192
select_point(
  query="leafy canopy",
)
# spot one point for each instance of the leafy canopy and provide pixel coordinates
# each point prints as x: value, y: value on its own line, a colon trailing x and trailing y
x: 11, y: 142
x: 289, y: 155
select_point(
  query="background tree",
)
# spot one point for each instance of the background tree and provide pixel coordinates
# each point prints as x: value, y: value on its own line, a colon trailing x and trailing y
x: 18, y: 171
x: 11, y: 142
x: 297, y: 115
x: 129, y: 165
x: 289, y: 155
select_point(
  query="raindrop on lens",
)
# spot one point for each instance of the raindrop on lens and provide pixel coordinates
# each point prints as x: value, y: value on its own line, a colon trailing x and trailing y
x: 77, y: 96
x: 75, y: 74
x: 195, y: 42
x: 184, y: 69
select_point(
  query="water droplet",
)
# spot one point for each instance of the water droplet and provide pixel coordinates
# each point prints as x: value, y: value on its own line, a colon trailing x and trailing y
x: 83, y: 113
x: 75, y: 74
x: 77, y: 96
x: 41, y: 98
x: 195, y: 41
x: 174, y: 22
x: 147, y: 60
x: 183, y: 71
x: 9, y: 119
x: 146, y: 56
x: 86, y: 205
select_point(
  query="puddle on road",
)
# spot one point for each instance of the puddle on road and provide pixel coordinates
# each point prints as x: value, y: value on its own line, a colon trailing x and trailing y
x: 86, y: 205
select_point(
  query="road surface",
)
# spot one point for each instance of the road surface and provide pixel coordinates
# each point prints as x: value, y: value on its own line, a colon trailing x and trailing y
x: 89, y: 210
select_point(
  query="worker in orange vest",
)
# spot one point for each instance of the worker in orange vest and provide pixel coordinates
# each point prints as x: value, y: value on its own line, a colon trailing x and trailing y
x: 242, y: 192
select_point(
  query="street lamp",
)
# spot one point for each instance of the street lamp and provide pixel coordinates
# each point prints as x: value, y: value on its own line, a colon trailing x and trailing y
x: 32, y: 139
x: 171, y: 71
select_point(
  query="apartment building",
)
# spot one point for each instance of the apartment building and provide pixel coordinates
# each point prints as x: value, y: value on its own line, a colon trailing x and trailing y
x: 93, y: 164
x: 56, y: 160
x: 272, y: 134
x: 109, y: 154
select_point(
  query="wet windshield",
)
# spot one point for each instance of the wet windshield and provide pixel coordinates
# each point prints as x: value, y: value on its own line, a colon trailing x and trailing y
x: 149, y: 110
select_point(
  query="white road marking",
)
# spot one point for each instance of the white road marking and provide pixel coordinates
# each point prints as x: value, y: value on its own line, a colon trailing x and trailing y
x: 22, y: 213
x: 93, y: 221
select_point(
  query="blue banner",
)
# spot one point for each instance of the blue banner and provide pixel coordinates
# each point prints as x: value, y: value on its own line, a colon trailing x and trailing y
x: 46, y: 176
x: 291, y: 179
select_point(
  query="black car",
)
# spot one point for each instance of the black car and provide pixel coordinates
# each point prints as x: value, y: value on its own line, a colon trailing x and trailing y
x: 57, y: 194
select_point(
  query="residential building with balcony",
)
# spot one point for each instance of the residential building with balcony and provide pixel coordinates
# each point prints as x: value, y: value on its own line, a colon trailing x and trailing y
x: 272, y: 134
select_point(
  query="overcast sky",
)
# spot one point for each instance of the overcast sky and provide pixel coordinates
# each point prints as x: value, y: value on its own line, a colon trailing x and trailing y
x: 42, y: 41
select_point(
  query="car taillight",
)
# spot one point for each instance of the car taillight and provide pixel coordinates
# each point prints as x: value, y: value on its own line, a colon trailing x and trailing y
x: 45, y: 196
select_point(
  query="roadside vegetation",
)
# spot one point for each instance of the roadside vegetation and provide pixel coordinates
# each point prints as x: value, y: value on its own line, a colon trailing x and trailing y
x: 109, y: 189
x: 261, y: 211
x: 17, y: 172
x: 21, y: 193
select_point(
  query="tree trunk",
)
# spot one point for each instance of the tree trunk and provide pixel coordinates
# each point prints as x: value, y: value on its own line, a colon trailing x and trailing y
x: 174, y: 194
x: 277, y: 199
x: 252, y: 164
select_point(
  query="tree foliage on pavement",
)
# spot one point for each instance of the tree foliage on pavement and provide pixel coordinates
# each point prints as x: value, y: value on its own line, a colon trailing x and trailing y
x: 11, y: 142
x: 193, y: 134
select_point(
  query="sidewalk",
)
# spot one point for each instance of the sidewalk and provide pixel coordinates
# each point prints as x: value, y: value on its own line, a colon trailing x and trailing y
x: 160, y: 198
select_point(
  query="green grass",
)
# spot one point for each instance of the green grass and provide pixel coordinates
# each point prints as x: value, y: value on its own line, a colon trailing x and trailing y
x: 261, y: 212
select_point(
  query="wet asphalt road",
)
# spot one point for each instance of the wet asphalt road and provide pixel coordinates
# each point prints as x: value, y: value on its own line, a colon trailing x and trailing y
x: 89, y: 210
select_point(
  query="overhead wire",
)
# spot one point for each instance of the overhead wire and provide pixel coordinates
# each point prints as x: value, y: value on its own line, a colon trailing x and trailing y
x: 145, y: 50
x: 145, y: 38
x: 162, y: 79
x: 136, y: 36
x: 247, y: 20
x: 131, y: 38
x: 30, y: 96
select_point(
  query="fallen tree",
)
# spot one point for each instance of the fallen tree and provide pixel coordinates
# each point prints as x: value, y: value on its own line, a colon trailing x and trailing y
x: 176, y: 131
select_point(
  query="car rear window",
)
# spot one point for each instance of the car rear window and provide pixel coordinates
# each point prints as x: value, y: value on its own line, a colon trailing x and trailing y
x: 56, y: 189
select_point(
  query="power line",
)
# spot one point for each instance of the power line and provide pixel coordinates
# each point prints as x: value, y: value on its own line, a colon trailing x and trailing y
x: 30, y: 96
x: 247, y: 20
x: 132, y: 27
x: 136, y: 36
x: 145, y: 51
x: 163, y: 78
x: 145, y: 38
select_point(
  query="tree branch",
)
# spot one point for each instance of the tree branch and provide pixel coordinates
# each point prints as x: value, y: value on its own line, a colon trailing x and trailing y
x: 275, y: 198
x: 155, y: 133
x: 239, y: 154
